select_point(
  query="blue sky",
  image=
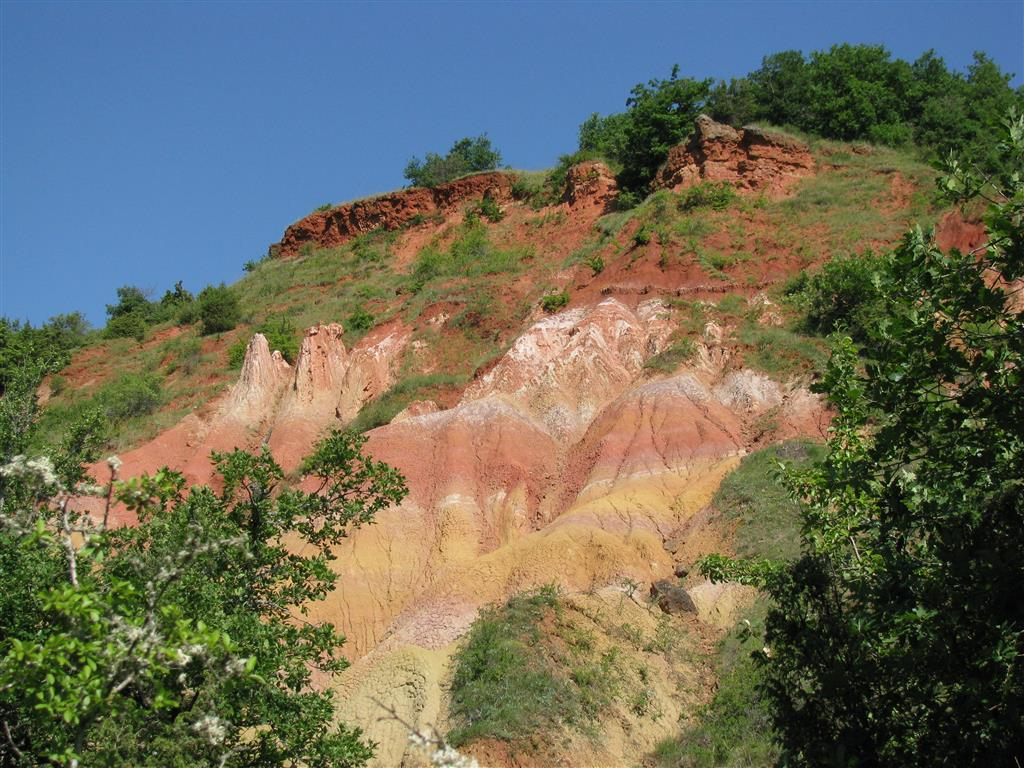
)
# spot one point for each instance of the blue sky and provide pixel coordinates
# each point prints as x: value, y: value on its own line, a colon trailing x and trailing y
x: 144, y: 143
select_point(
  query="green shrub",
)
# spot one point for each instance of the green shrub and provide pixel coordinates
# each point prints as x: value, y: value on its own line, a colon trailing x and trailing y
x: 707, y: 194
x: 130, y: 395
x: 466, y: 156
x: 130, y: 301
x: 671, y: 358
x: 642, y: 237
x: 129, y: 326
x: 627, y: 200
x: 554, y: 301
x: 324, y: 207
x: 360, y: 320
x: 595, y: 262
x: 236, y: 353
x: 487, y: 208
x: 282, y: 335
x: 844, y: 295
x: 218, y: 309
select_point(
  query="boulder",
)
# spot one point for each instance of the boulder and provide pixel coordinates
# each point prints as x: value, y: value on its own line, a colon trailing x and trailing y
x: 672, y: 598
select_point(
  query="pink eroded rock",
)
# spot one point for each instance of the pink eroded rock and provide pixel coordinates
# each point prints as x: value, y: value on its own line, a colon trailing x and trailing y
x: 565, y: 368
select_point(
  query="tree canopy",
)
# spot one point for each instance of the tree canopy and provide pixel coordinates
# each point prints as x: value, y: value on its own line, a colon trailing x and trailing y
x: 183, y: 640
x: 896, y: 638
x: 467, y: 155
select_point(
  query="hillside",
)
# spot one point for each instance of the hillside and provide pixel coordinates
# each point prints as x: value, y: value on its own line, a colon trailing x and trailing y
x: 564, y: 387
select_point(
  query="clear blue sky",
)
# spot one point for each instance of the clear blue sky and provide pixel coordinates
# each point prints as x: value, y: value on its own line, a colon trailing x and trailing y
x: 144, y: 143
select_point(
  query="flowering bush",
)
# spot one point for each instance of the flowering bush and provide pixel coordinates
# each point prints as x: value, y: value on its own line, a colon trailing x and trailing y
x: 174, y: 641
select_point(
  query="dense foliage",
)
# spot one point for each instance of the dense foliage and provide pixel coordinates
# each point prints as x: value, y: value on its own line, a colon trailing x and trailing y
x: 844, y: 295
x: 134, y: 313
x: 659, y: 115
x: 219, y: 310
x: 466, y: 156
x: 897, y: 637
x: 861, y: 92
x: 38, y: 351
x: 182, y: 640
x: 849, y: 92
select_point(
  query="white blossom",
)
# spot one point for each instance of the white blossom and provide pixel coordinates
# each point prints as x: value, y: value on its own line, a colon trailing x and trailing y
x: 40, y: 468
x: 441, y: 755
x: 114, y: 462
x: 211, y: 728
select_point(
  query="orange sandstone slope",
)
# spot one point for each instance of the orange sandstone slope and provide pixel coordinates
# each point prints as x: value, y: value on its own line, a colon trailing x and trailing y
x: 597, y: 433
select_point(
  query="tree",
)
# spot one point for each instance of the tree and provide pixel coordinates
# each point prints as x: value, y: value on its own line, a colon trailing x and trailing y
x: 48, y: 347
x: 181, y: 641
x: 130, y: 299
x: 897, y: 637
x: 466, y: 156
x: 660, y: 115
x: 218, y: 309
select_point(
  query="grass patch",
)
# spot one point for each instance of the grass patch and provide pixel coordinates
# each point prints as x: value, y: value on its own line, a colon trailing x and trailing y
x: 753, y: 496
x: 677, y: 353
x: 734, y: 729
x: 611, y: 224
x: 780, y: 352
x: 471, y: 255
x: 382, y: 410
x: 514, y: 681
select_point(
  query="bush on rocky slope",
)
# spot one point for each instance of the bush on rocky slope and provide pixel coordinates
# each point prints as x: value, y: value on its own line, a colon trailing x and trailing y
x: 467, y: 155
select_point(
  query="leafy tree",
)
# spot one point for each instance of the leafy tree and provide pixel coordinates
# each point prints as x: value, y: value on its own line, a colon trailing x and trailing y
x: 858, y: 92
x: 845, y: 295
x: 176, y: 298
x: 660, y: 115
x: 897, y: 637
x: 782, y: 90
x: 181, y: 641
x: 130, y: 300
x: 466, y: 156
x: 48, y: 348
x: 218, y: 309
x: 603, y: 137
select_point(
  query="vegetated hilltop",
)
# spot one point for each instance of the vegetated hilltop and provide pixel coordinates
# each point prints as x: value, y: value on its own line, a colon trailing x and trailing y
x: 562, y: 384
x: 565, y: 366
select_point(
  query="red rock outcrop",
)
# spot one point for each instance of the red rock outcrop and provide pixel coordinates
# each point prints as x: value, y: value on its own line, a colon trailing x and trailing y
x: 333, y: 227
x: 591, y: 184
x: 751, y: 158
x: 952, y: 230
